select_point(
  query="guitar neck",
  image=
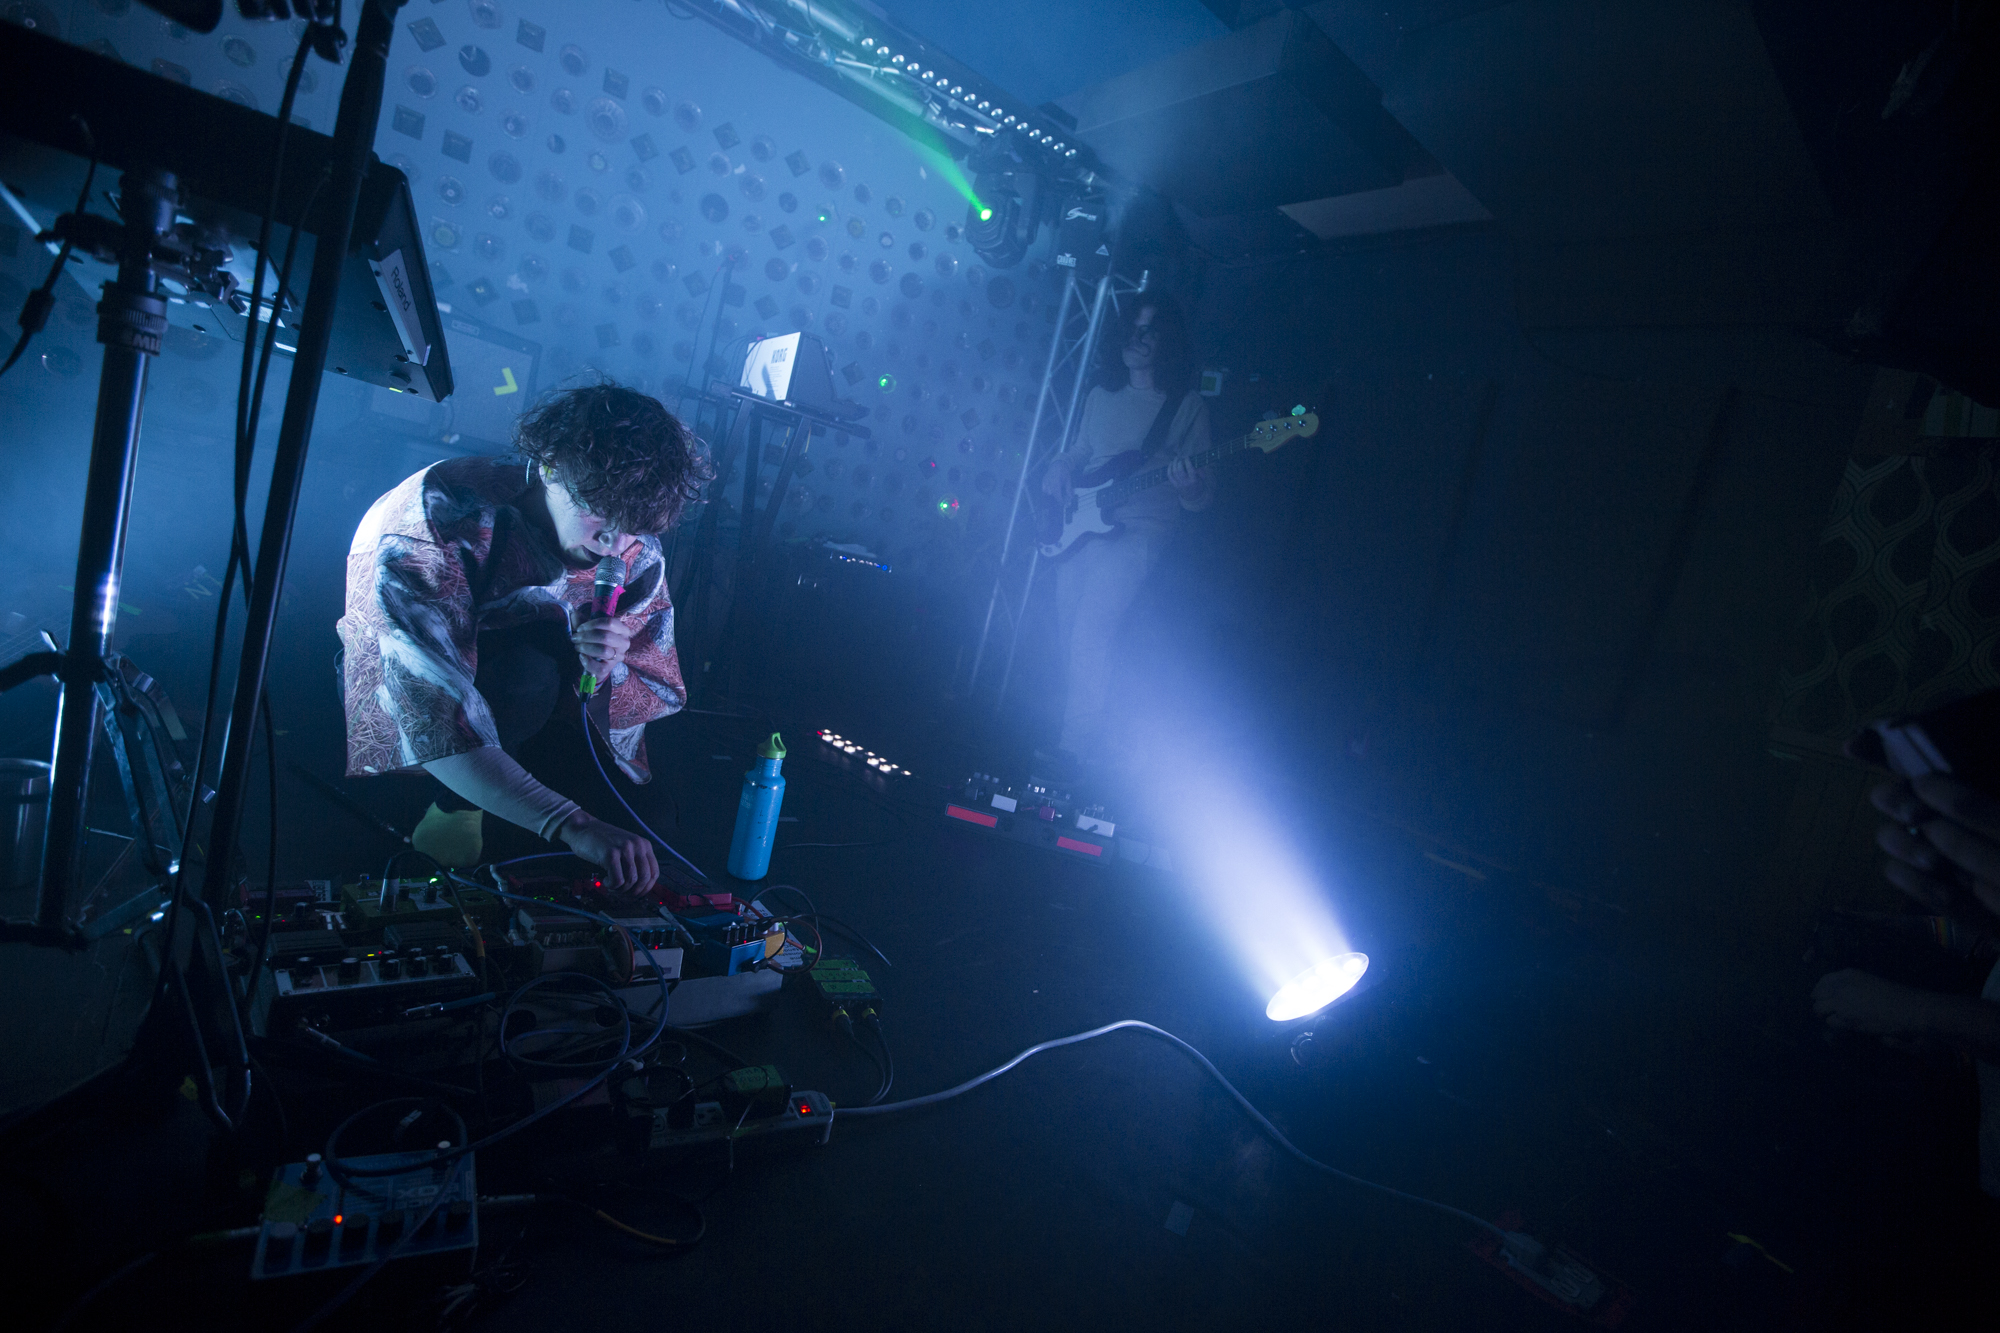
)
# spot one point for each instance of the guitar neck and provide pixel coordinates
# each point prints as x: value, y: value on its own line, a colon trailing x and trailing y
x: 1151, y: 477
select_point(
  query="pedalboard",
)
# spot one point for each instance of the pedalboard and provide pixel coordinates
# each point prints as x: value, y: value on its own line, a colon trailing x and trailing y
x: 313, y: 1223
x: 1037, y: 814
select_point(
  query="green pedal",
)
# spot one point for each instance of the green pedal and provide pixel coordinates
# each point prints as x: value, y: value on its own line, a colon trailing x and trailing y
x: 842, y: 983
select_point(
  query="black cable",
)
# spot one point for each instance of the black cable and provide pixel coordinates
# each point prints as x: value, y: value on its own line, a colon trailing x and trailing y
x: 239, y: 531
x: 138, y: 704
x: 842, y: 928
x: 443, y: 871
x: 590, y: 742
x: 277, y: 1101
x: 247, y: 445
x: 245, y: 412
x: 488, y: 971
x: 872, y: 1022
x: 355, y: 1061
x: 124, y: 1271
x: 787, y: 888
x: 35, y: 310
x: 882, y: 1074
x: 814, y: 915
x: 818, y: 946
x: 583, y: 1089
x: 715, y: 1048
x: 330, y: 1154
x: 271, y: 862
x: 560, y: 1066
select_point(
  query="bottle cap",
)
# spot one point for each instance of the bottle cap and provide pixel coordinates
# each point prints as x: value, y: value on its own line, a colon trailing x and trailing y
x: 773, y: 748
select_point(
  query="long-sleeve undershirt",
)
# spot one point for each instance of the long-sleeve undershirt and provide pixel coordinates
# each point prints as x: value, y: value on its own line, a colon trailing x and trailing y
x: 494, y: 781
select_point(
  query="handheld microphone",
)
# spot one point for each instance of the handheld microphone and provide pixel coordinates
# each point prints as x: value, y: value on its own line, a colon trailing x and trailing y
x: 610, y: 582
x: 611, y: 573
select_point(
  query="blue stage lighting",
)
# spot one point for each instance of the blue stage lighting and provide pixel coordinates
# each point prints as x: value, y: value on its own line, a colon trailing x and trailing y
x: 1317, y: 987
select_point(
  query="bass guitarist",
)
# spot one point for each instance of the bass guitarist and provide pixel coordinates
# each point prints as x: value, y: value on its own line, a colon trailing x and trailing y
x: 1143, y: 408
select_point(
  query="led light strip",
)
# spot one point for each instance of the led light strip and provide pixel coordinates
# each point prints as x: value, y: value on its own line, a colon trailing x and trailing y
x: 873, y: 760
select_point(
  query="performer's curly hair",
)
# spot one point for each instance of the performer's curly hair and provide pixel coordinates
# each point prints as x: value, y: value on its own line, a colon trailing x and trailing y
x: 620, y: 453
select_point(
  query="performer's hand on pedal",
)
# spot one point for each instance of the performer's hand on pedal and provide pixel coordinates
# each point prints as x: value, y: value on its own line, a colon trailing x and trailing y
x: 602, y: 644
x: 627, y: 859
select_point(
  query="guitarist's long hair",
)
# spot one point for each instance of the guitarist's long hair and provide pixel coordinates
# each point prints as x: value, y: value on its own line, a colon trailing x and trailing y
x: 1173, y: 348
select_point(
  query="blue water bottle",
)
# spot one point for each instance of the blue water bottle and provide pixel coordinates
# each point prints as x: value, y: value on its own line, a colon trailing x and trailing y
x: 757, y: 813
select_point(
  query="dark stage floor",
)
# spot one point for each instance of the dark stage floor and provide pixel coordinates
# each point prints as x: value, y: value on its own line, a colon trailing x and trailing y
x: 1623, y: 1091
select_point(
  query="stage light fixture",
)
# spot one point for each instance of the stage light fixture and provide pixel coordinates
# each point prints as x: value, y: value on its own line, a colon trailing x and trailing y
x: 1317, y: 987
x: 1006, y: 213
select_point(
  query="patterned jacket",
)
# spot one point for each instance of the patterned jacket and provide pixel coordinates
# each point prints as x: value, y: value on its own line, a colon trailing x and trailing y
x: 447, y: 554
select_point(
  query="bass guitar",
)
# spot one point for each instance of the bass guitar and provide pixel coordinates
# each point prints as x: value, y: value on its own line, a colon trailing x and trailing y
x: 1086, y: 512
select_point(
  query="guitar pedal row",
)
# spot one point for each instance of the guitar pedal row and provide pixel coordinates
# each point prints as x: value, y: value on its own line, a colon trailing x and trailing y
x: 1036, y: 814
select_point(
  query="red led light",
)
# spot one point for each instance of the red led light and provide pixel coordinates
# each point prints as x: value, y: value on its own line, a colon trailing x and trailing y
x: 336, y: 1219
x: 805, y: 1108
x: 973, y: 816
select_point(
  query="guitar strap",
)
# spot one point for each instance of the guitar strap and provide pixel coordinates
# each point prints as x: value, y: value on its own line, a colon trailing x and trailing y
x: 1156, y: 434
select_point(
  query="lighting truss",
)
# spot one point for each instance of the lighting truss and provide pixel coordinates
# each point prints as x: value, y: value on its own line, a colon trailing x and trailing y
x: 1058, y: 407
x: 895, y: 75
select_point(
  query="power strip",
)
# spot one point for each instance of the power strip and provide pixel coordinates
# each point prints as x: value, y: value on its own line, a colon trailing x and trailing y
x: 807, y: 1117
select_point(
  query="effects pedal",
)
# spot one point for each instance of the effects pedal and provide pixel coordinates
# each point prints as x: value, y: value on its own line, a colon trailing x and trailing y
x: 313, y: 1223
x: 366, y: 988
x: 850, y: 756
x: 1037, y: 814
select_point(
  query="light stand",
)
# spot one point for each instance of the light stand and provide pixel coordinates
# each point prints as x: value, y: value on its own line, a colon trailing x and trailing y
x: 131, y: 320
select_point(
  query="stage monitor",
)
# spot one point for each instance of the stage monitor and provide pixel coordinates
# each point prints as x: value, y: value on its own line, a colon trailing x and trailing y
x: 496, y: 373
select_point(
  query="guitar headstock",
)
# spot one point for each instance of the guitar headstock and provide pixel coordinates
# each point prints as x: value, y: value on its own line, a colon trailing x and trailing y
x: 1269, y: 435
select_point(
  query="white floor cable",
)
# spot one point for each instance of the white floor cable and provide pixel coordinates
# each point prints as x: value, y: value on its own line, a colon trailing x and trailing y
x: 1261, y: 1121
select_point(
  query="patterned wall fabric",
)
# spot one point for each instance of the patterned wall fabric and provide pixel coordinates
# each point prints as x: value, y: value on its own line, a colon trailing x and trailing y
x: 1905, y: 606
